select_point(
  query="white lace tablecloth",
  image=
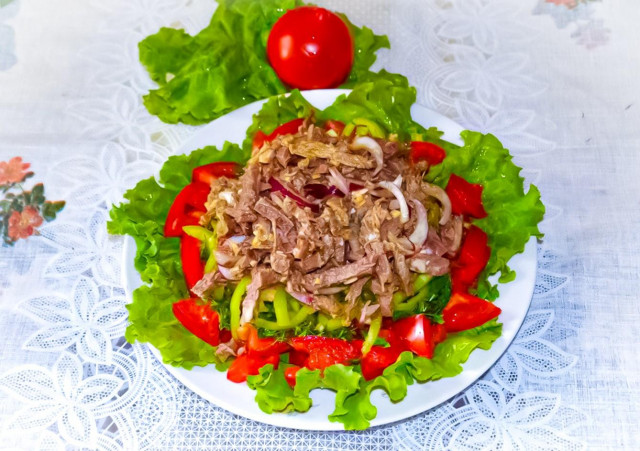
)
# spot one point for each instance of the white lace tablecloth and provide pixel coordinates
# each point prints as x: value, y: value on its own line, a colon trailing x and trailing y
x: 555, y: 80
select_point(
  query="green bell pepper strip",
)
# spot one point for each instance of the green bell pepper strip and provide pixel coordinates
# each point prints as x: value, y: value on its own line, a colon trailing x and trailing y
x: 398, y: 298
x: 198, y: 232
x: 267, y: 295
x: 280, y: 307
x: 421, y: 281
x: 348, y: 129
x: 235, y: 305
x: 372, y: 334
x: 210, y: 242
x: 211, y: 245
x: 298, y: 318
x: 371, y: 127
x: 411, y: 303
x: 218, y: 293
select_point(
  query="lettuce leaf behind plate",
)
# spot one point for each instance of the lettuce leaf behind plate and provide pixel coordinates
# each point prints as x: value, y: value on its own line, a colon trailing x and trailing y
x: 225, y: 65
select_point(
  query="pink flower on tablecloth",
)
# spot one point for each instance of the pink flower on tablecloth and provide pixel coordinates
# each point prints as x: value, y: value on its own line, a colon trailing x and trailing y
x: 567, y: 3
x: 22, y: 224
x: 13, y: 171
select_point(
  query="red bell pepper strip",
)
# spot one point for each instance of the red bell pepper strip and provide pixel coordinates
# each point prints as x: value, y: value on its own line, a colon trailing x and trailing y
x: 416, y: 335
x: 192, y: 264
x: 465, y: 311
x: 379, y: 358
x: 473, y: 258
x: 336, y: 126
x: 425, y: 151
x: 264, y: 346
x: 249, y: 365
x: 288, y: 128
x: 439, y: 333
x: 192, y: 197
x: 209, y: 172
x: 290, y: 375
x: 199, y: 319
x: 466, y: 198
x: 323, y: 352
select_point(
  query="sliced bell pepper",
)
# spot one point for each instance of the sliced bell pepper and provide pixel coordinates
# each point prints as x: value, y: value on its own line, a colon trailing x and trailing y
x: 426, y: 151
x: 323, y: 352
x: 209, y: 172
x: 465, y: 311
x: 192, y: 264
x: 199, y: 319
x: 249, y: 365
x: 416, y: 335
x: 377, y: 359
x: 190, y: 199
x: 336, y: 126
x: 288, y: 128
x: 290, y: 375
x: 264, y: 346
x: 439, y: 333
x: 474, y: 255
x: 466, y: 198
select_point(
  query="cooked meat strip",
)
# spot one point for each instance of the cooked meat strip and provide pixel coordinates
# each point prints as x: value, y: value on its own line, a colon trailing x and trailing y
x: 313, y: 211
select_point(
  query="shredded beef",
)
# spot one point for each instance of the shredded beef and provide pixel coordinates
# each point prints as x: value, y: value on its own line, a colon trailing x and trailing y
x: 324, y: 241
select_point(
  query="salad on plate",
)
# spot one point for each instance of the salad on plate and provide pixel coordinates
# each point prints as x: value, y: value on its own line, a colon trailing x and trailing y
x: 346, y: 249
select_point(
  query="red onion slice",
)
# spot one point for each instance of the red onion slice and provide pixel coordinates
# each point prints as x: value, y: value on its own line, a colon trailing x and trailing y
x: 419, y: 235
x: 277, y: 186
x: 320, y: 191
x: 226, y: 272
x: 441, y: 195
x: 371, y: 146
x: 404, y: 208
x: 338, y: 180
x: 306, y: 299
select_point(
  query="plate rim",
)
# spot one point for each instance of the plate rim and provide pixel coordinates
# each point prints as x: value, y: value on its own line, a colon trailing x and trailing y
x: 302, y: 421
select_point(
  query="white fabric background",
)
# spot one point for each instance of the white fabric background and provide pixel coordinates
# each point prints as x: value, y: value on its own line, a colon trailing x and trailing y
x: 557, y: 84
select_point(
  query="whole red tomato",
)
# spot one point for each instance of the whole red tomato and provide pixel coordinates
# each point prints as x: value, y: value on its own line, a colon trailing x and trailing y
x: 310, y: 48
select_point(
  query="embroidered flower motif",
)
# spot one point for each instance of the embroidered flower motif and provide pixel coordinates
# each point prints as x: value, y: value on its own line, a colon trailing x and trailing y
x: 531, y: 354
x: 22, y: 224
x: 567, y: 3
x: 592, y: 34
x: 495, y: 422
x: 86, y: 320
x: 13, y: 171
x: 60, y: 396
x: 22, y: 211
x: 83, y: 246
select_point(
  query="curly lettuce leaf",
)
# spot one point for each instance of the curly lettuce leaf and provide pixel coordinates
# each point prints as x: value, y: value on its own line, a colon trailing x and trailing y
x: 353, y: 406
x: 385, y: 100
x: 225, y: 65
x: 277, y: 111
x: 157, y: 258
x: 513, y: 215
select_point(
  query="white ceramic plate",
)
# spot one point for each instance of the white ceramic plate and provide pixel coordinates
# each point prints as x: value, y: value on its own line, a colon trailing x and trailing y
x: 212, y: 385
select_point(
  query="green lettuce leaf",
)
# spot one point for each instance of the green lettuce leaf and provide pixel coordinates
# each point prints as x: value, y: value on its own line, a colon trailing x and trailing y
x: 513, y: 215
x: 513, y: 218
x: 157, y: 258
x: 225, y: 66
x: 353, y: 406
x: 385, y: 100
x: 274, y: 394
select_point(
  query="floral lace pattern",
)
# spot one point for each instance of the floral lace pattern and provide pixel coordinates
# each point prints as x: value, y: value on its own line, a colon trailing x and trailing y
x: 95, y: 390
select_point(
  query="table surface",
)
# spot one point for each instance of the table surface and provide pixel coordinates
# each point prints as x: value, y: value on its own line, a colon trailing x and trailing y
x: 555, y: 80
